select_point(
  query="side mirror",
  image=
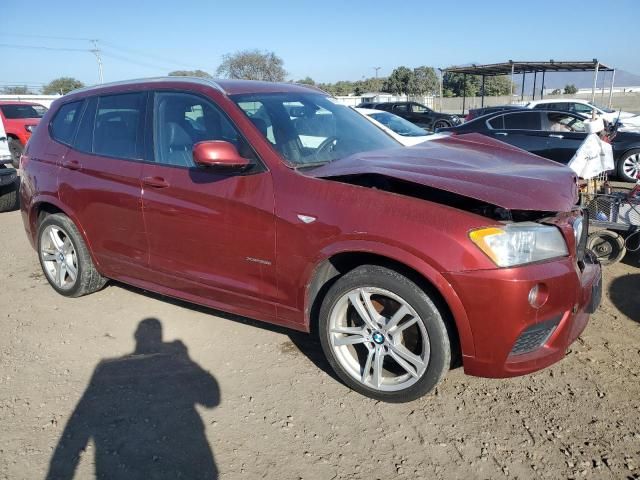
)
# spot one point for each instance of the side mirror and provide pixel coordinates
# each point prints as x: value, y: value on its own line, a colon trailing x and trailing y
x: 218, y: 154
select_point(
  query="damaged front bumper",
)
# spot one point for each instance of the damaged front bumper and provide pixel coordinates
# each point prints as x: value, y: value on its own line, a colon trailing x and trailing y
x: 513, y: 336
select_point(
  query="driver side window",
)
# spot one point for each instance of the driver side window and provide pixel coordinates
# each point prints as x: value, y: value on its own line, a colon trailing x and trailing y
x: 417, y: 108
x: 181, y: 120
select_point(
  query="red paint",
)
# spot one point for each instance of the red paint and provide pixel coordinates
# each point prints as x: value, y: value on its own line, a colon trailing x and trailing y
x: 17, y: 127
x: 235, y: 242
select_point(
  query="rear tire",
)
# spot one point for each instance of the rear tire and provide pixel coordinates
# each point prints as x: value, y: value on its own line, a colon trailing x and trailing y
x: 628, y: 166
x: 383, y: 335
x: 9, y: 197
x: 16, y: 149
x: 65, y: 259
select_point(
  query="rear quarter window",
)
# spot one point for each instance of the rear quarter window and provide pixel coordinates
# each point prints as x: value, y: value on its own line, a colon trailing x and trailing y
x: 64, y: 122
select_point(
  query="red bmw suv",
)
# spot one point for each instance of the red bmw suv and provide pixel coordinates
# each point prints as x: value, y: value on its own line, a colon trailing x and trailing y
x: 272, y: 201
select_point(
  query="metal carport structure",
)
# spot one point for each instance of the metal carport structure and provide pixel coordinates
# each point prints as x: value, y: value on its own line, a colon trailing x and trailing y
x: 522, y: 68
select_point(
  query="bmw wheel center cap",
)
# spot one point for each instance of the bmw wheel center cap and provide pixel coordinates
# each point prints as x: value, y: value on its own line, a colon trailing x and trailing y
x: 378, y: 338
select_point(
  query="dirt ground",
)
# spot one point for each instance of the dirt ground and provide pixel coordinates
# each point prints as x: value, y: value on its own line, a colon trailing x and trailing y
x: 266, y: 405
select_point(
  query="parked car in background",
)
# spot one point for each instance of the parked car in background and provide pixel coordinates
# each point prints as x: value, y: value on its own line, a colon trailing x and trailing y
x: 628, y: 120
x: 417, y: 114
x: 554, y: 135
x: 8, y: 176
x: 20, y: 120
x: 395, y: 256
x: 397, y: 127
x: 479, y: 112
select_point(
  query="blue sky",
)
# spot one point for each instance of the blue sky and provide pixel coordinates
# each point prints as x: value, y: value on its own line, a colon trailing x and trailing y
x: 328, y: 40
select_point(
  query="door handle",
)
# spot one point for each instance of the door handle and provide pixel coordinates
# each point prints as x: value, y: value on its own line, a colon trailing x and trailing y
x: 155, y: 182
x: 502, y: 134
x: 71, y: 164
x: 553, y: 135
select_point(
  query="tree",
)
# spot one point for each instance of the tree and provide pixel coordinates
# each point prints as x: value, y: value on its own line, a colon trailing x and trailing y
x: 399, y: 81
x: 457, y: 85
x: 190, y: 73
x: 62, y: 85
x: 253, y: 65
x: 17, y: 90
x: 495, y: 86
x: 423, y: 80
x: 570, y: 89
x: 306, y: 81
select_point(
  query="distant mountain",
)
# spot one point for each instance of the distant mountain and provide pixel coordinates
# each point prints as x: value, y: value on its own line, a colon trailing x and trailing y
x: 581, y: 79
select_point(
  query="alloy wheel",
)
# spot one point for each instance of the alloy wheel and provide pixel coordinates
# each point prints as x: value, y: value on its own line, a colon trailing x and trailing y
x: 379, y: 339
x: 631, y: 165
x: 59, y: 257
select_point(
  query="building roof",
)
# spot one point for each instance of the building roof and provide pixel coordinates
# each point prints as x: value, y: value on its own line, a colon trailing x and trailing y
x: 494, y: 69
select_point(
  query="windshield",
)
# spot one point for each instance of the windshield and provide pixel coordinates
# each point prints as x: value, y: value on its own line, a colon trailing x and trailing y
x: 23, y: 111
x: 604, y: 109
x: 309, y: 128
x: 398, y: 125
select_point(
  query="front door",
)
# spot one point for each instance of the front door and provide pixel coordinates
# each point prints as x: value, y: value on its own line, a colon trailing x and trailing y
x: 211, y: 233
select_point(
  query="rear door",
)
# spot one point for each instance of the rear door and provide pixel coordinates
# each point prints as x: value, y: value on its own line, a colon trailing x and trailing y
x: 211, y: 233
x: 522, y: 130
x: 100, y: 181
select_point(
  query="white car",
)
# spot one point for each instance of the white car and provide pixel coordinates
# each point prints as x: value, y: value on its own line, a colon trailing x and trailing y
x: 5, y: 154
x: 400, y: 129
x: 629, y: 121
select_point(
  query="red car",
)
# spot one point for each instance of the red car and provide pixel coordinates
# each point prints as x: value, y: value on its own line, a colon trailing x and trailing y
x: 20, y: 119
x: 273, y: 202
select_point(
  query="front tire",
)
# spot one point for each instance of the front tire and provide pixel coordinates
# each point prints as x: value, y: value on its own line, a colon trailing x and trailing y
x: 65, y: 259
x: 440, y: 124
x: 383, y: 335
x: 629, y: 166
x: 16, y: 149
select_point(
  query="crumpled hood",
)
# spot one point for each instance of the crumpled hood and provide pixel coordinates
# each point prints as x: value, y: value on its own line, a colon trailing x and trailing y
x: 471, y: 165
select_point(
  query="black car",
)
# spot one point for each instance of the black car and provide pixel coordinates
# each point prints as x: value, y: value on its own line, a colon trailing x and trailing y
x: 553, y: 134
x: 416, y: 113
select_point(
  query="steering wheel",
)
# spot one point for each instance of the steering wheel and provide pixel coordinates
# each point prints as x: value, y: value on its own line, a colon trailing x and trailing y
x: 327, y: 144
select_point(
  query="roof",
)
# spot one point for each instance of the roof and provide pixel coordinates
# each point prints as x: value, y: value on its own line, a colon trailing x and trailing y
x: 494, y: 69
x: 226, y: 86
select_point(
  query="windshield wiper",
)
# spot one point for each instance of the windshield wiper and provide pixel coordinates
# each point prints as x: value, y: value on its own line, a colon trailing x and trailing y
x: 311, y: 164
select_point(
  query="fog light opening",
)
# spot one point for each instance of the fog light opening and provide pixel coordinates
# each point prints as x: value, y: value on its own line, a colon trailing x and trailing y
x: 538, y: 295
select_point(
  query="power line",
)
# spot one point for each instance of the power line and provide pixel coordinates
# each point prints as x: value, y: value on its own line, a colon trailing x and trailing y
x: 26, y: 35
x: 40, y: 47
x: 146, y: 54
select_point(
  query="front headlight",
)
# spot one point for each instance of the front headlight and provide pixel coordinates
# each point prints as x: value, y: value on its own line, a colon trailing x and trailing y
x: 30, y: 128
x: 520, y: 243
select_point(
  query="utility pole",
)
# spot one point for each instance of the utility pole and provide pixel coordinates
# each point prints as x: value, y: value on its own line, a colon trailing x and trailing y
x: 96, y: 51
x: 376, y: 69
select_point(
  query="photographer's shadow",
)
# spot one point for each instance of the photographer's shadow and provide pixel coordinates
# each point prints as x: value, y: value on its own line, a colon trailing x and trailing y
x: 139, y: 410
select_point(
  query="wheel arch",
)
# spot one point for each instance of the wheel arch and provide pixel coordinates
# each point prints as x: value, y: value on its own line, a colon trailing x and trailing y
x: 50, y: 206
x: 332, y: 267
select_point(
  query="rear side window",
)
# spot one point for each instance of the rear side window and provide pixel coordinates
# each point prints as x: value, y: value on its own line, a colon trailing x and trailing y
x: 400, y: 108
x: 64, y: 122
x: 522, y: 121
x: 497, y: 123
x: 118, y: 126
